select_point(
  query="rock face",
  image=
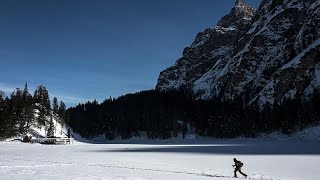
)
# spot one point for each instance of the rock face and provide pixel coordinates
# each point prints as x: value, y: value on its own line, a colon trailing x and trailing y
x: 262, y: 56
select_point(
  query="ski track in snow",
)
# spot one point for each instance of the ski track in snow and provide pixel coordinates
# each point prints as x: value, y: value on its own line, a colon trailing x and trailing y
x: 183, y: 172
x: 164, y: 171
x: 255, y: 177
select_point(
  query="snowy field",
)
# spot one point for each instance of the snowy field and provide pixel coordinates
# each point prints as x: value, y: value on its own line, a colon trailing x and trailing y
x: 208, y: 159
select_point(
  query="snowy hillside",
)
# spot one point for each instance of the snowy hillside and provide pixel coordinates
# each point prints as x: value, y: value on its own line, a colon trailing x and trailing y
x: 41, y: 131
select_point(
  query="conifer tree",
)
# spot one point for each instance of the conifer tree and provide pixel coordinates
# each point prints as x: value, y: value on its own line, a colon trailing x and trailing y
x: 17, y: 111
x: 55, y: 106
x: 4, y: 116
x: 41, y: 97
x: 27, y: 107
x: 62, y: 112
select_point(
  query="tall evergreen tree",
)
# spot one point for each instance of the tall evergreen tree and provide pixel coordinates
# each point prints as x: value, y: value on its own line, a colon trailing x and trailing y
x: 41, y: 97
x: 55, y: 106
x: 17, y: 111
x: 4, y: 116
x: 62, y: 112
x: 27, y: 107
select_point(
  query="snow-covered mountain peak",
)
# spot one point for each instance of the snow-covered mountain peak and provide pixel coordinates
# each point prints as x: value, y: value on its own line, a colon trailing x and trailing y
x: 240, y: 15
x: 246, y: 55
x: 240, y: 5
x: 207, y: 48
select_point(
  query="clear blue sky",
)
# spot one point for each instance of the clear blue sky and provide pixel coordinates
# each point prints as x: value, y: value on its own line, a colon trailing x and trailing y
x: 92, y: 49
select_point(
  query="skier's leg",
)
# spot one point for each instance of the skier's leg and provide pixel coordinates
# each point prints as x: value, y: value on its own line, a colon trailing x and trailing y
x: 235, y: 173
x: 242, y: 173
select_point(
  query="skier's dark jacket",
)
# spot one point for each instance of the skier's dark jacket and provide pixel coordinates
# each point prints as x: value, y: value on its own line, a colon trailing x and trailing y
x: 238, y: 164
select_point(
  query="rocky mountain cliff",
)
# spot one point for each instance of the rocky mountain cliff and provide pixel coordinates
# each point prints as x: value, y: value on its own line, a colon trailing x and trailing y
x: 261, y: 56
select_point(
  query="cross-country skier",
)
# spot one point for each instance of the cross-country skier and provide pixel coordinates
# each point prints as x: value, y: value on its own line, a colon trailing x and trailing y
x: 238, y: 165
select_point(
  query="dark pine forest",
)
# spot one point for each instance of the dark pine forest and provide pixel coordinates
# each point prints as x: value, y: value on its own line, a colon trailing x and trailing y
x: 157, y: 115
x: 169, y: 114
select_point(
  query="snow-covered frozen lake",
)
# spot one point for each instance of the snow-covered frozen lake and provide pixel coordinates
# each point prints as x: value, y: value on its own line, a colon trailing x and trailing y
x: 268, y: 160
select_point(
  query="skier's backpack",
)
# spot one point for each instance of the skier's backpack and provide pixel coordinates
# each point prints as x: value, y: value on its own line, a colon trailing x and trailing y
x: 240, y: 164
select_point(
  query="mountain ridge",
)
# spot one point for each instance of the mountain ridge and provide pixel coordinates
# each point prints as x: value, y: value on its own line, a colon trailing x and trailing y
x: 243, y: 55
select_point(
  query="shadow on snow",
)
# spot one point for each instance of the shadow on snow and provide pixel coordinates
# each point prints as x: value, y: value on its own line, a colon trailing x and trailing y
x: 272, y: 148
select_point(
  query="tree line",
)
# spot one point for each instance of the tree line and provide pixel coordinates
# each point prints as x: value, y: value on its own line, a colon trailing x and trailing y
x: 169, y: 114
x: 21, y: 110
